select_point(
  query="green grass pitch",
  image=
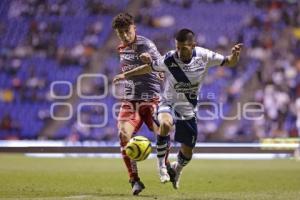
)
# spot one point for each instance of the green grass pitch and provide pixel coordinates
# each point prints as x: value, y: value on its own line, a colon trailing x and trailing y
x: 95, y: 178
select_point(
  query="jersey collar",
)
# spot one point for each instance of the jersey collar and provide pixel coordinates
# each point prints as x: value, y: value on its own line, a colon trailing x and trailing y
x: 193, y: 55
x: 122, y: 46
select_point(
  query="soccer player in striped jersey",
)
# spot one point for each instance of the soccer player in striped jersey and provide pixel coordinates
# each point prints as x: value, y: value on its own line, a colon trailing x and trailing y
x: 185, y: 69
x: 141, y: 94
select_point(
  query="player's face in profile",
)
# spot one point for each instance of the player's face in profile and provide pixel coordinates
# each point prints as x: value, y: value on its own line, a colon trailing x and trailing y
x: 185, y: 49
x: 126, y: 34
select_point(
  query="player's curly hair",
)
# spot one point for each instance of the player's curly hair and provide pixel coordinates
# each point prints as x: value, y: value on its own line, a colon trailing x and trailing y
x: 122, y: 20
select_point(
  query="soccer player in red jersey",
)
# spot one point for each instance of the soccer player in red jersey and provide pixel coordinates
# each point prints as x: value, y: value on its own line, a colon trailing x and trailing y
x: 141, y: 96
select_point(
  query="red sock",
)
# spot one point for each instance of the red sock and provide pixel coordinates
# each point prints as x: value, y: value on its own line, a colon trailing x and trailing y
x: 130, y: 165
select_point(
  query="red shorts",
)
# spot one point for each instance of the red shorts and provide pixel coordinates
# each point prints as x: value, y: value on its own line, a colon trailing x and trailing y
x: 137, y: 112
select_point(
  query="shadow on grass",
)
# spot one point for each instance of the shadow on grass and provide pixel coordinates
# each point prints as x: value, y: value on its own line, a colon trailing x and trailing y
x: 126, y: 195
x: 142, y: 196
x: 114, y: 195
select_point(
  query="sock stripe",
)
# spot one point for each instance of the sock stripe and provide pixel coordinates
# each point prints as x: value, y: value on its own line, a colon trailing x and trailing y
x: 162, y: 149
x: 159, y: 146
x: 182, y: 160
x: 161, y: 153
x: 162, y: 146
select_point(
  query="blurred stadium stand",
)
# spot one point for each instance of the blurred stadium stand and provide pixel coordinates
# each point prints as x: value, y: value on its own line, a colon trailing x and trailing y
x: 57, y: 40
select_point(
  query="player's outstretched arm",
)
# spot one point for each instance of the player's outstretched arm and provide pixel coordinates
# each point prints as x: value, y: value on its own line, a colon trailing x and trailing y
x: 233, y: 59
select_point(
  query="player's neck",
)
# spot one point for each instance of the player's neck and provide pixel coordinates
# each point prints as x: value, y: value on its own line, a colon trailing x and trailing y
x: 123, y: 45
x: 186, y: 61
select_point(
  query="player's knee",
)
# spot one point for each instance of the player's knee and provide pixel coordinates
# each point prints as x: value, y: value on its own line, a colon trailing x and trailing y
x: 166, y: 125
x: 124, y: 135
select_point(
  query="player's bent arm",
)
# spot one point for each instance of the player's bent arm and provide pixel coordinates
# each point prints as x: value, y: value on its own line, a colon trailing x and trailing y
x: 233, y: 59
x: 143, y: 69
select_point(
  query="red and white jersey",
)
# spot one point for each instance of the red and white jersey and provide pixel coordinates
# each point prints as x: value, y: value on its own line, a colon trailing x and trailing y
x: 141, y: 87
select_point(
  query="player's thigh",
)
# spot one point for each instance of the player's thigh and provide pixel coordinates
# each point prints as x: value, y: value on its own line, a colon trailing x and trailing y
x: 147, y: 112
x: 129, y: 120
x: 126, y: 130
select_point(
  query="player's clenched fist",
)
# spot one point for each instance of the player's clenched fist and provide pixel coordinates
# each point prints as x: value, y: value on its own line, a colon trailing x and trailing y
x: 146, y: 58
x: 236, y: 50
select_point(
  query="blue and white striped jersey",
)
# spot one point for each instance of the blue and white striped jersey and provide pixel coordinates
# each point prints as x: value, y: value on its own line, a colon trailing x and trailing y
x: 183, y: 81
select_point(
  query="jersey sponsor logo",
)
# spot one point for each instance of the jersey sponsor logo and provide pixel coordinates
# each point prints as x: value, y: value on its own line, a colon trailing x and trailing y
x: 192, y: 68
x: 182, y: 87
x: 180, y: 76
x: 130, y: 57
x: 127, y: 50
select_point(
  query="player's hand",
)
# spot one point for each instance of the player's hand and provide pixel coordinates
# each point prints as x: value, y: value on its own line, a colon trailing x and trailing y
x: 236, y: 50
x: 119, y: 77
x: 160, y: 76
x: 146, y: 58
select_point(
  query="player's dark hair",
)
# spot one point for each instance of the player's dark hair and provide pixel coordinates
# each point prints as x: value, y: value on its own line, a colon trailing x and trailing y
x: 122, y: 20
x: 184, y: 35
